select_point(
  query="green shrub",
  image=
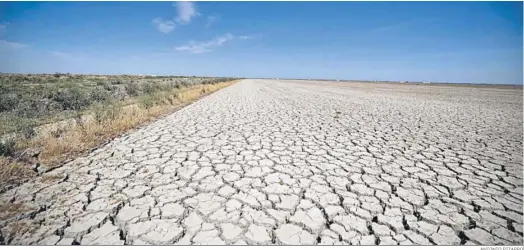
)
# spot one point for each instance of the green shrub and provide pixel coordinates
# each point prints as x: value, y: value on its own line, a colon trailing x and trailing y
x: 100, y: 95
x: 101, y: 83
x: 7, y: 147
x: 30, y: 108
x: 105, y: 84
x: 150, y: 88
x: 146, y: 101
x: 133, y: 89
x: 13, y: 123
x: 27, y: 132
x: 8, y: 101
x: 74, y: 98
x: 46, y: 90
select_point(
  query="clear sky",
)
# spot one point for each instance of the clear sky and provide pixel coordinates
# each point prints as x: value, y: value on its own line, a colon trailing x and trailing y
x: 413, y: 41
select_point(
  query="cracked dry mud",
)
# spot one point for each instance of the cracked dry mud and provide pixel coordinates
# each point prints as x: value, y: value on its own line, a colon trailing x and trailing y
x: 294, y: 162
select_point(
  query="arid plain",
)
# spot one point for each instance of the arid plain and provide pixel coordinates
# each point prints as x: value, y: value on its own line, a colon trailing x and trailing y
x: 294, y: 162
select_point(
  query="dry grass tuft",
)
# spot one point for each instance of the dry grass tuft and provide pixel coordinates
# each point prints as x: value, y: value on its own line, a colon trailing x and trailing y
x: 13, y: 172
x: 17, y: 229
x: 52, y: 178
x: 9, y: 209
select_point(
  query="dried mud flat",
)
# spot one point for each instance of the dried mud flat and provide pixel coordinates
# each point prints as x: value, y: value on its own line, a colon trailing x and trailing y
x: 294, y: 162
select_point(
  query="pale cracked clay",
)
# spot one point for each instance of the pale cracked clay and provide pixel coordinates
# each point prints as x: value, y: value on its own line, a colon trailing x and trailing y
x: 294, y: 162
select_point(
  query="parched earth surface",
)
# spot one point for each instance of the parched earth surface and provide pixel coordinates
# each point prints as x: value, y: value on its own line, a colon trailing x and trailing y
x: 294, y: 162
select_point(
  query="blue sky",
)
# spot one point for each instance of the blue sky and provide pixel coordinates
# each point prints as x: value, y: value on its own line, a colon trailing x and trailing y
x: 415, y: 41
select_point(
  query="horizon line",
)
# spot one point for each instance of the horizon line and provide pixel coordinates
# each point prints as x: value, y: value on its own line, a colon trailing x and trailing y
x: 275, y: 78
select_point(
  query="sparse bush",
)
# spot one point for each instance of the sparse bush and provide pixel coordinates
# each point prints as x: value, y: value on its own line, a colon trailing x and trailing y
x: 47, y: 91
x: 28, y: 107
x: 100, y: 95
x: 150, y: 88
x: 133, y: 89
x: 27, y: 132
x: 7, y: 147
x: 176, y: 95
x: 147, y: 101
x: 99, y: 112
x: 8, y: 101
x: 113, y: 111
x: 57, y: 133
x: 105, y: 84
x: 12, y: 123
x: 106, y: 111
x: 73, y: 98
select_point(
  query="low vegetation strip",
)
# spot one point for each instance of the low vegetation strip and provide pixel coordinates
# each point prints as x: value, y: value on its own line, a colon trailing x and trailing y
x: 75, y: 118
